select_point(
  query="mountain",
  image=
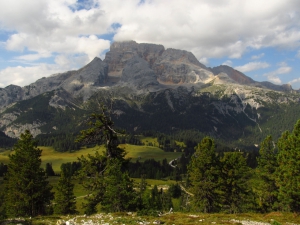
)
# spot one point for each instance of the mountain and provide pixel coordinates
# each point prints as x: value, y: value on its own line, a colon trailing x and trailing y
x: 148, y: 88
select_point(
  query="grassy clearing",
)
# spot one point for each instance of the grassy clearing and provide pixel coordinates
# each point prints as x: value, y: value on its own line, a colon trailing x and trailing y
x: 49, y: 155
x: 149, y: 141
x: 181, y: 144
x: 142, y: 153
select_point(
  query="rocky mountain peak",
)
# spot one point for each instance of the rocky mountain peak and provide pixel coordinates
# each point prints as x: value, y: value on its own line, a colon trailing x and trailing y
x: 233, y: 74
x: 121, y: 52
x: 87, y: 80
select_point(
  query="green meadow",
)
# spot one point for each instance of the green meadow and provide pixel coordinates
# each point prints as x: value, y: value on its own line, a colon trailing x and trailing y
x: 135, y: 152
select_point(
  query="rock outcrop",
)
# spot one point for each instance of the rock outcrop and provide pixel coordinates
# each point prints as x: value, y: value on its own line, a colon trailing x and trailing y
x: 235, y: 75
x: 121, y: 52
x: 10, y: 94
x: 138, y: 74
x: 180, y: 67
x: 84, y: 82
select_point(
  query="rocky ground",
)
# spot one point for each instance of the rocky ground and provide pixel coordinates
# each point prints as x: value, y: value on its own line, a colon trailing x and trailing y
x: 132, y: 218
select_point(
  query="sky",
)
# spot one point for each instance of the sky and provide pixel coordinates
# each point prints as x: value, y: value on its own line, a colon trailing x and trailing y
x: 39, y: 38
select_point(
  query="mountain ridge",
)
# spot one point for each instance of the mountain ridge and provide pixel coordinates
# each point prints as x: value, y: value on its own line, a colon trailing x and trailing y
x: 150, y: 87
x: 172, y: 67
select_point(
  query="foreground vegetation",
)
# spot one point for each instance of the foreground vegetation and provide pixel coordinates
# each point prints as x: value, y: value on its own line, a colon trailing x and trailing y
x: 211, y: 182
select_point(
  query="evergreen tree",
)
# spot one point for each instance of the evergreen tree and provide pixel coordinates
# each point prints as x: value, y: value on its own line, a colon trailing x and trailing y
x: 91, y: 178
x: 234, y: 181
x: 2, y: 205
x: 166, y: 200
x: 108, y: 185
x: 203, y: 175
x: 155, y: 199
x: 65, y: 200
x: 265, y: 188
x: 119, y: 194
x: 27, y: 191
x: 101, y: 131
x: 287, y: 173
x: 175, y: 190
x: 49, y: 170
x: 3, y: 169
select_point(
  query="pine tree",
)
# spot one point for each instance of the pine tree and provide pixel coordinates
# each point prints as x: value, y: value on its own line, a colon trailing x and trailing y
x: 155, y: 199
x: 265, y: 188
x: 203, y: 175
x: 2, y: 204
x: 27, y: 191
x: 287, y: 173
x: 109, y: 186
x: 234, y: 181
x: 119, y: 193
x: 65, y: 200
x: 49, y: 170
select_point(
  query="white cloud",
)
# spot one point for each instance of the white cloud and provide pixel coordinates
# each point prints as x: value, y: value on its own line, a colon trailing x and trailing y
x: 34, y: 57
x: 212, y: 30
x: 91, y: 45
x: 256, y: 57
x: 207, y: 28
x: 283, y: 70
x: 204, y: 61
x: 282, y: 64
x: 274, y: 79
x: 227, y: 63
x: 273, y: 76
x: 295, y: 81
x: 252, y: 66
x: 24, y: 75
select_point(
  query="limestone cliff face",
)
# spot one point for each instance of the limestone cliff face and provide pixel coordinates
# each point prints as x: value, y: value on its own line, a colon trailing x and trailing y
x: 10, y: 94
x: 171, y: 66
x: 138, y: 74
x: 84, y: 82
x: 180, y: 67
x: 121, y: 52
x: 45, y: 84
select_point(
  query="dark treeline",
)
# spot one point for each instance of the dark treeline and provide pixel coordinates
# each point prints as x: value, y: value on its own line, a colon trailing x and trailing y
x: 3, y: 169
x: 152, y: 169
x: 130, y: 139
x: 60, y: 142
x: 5, y: 141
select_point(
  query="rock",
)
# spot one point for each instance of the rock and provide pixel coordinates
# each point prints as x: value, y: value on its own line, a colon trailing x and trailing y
x: 121, y: 52
x: 86, y: 81
x: 179, y: 67
x: 138, y: 74
x: 45, y: 84
x: 235, y: 75
x: 61, y: 222
x: 10, y: 94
